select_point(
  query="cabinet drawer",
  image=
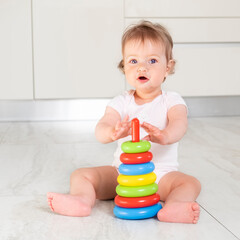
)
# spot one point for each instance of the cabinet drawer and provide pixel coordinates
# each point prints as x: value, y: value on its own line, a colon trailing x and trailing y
x: 206, y: 70
x: 182, y: 8
x: 16, y: 76
x: 199, y: 29
x: 77, y: 48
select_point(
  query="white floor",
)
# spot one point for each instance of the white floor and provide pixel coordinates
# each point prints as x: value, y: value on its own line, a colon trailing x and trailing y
x: 38, y: 157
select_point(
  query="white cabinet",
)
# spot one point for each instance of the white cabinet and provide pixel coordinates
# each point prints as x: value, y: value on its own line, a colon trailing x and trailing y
x: 77, y: 47
x: 199, y: 30
x: 16, y: 76
x: 182, y: 8
x: 206, y: 70
x: 68, y: 49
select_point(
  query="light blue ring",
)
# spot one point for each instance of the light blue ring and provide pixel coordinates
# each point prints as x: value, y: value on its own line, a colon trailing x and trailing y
x: 136, y: 169
x: 137, y: 213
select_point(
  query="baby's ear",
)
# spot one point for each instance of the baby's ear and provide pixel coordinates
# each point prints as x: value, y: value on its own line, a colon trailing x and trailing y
x: 170, y: 66
x: 121, y: 66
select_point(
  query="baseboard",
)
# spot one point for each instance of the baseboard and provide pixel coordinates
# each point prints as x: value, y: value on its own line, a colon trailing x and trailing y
x: 52, y: 110
x: 93, y: 109
x: 213, y: 106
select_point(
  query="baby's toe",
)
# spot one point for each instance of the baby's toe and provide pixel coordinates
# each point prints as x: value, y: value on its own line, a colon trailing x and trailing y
x: 50, y: 195
x: 195, y: 219
x: 50, y: 200
x: 195, y: 207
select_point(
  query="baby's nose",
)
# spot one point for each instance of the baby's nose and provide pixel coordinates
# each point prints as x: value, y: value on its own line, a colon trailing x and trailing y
x: 142, y: 68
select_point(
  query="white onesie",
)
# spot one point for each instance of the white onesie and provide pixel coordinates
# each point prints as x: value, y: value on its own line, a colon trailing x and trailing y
x: 155, y: 112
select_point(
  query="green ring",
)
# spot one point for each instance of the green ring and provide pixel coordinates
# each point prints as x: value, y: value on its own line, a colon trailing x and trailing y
x: 136, y: 147
x: 140, y: 191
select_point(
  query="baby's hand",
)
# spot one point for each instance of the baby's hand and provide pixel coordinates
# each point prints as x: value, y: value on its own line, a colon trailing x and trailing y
x: 122, y: 129
x: 155, y: 134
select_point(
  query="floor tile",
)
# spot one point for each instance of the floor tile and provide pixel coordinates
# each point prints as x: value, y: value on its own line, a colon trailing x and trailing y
x: 37, y: 157
x: 211, y: 152
x: 28, y: 217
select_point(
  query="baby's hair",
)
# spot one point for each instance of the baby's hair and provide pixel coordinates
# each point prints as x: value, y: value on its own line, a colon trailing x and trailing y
x: 146, y: 30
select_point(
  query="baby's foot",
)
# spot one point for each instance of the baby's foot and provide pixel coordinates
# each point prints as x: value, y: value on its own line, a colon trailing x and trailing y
x: 69, y: 205
x: 179, y: 212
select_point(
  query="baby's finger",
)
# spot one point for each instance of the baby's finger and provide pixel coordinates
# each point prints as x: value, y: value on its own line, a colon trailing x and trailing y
x: 146, y: 127
x: 126, y: 118
x: 146, y: 138
x: 116, y: 135
x: 126, y: 124
x: 149, y: 126
x: 118, y: 125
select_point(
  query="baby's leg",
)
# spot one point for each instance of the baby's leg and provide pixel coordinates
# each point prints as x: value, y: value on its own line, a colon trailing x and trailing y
x: 179, y: 191
x: 86, y: 185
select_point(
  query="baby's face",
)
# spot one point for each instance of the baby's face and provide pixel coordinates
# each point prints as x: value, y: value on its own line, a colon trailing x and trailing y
x: 145, y: 65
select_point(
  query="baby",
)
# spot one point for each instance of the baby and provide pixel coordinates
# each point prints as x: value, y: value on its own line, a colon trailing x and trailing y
x: 147, y: 61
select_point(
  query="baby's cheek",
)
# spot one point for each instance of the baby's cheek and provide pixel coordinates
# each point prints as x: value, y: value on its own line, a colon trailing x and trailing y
x: 130, y: 68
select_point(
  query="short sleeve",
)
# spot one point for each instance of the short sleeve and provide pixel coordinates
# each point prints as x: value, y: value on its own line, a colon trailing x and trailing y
x: 118, y: 103
x: 173, y: 98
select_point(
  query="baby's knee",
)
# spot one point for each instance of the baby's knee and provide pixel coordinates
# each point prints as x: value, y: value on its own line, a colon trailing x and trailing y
x: 194, y: 182
x: 197, y: 182
x: 88, y: 174
x: 75, y: 175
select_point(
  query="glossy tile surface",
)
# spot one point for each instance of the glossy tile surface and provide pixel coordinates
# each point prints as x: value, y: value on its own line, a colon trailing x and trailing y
x: 37, y: 157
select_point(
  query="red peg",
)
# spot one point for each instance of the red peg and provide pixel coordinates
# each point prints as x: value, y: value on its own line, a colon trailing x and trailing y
x: 135, y: 130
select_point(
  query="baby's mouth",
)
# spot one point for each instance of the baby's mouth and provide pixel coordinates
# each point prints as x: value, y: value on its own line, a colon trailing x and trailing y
x: 142, y: 78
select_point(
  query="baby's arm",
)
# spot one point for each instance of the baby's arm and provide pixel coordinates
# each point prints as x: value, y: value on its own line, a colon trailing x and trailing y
x: 175, y: 130
x: 110, y: 128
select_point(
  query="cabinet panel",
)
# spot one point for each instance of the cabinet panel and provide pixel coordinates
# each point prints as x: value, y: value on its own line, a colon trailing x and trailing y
x: 16, y: 81
x: 196, y: 30
x: 206, y: 70
x: 182, y: 8
x: 77, y: 47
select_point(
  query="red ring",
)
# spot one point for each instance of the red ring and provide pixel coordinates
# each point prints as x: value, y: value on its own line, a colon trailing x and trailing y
x: 135, y: 158
x: 137, y: 202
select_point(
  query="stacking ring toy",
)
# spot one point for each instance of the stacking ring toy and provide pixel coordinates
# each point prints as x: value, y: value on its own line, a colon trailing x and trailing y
x: 140, y: 191
x: 137, y: 202
x: 136, y: 193
x: 135, y: 158
x: 136, y: 169
x: 137, y: 180
x: 137, y: 213
x: 135, y: 147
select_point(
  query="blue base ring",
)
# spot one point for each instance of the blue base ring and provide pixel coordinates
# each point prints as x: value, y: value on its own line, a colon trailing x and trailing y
x: 137, y: 213
x: 136, y: 169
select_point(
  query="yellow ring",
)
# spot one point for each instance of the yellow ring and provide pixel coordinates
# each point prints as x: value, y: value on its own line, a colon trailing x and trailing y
x: 137, y: 180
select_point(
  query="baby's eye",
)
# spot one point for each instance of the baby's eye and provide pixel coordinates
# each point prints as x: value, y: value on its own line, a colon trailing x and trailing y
x: 133, y: 61
x: 152, y: 61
